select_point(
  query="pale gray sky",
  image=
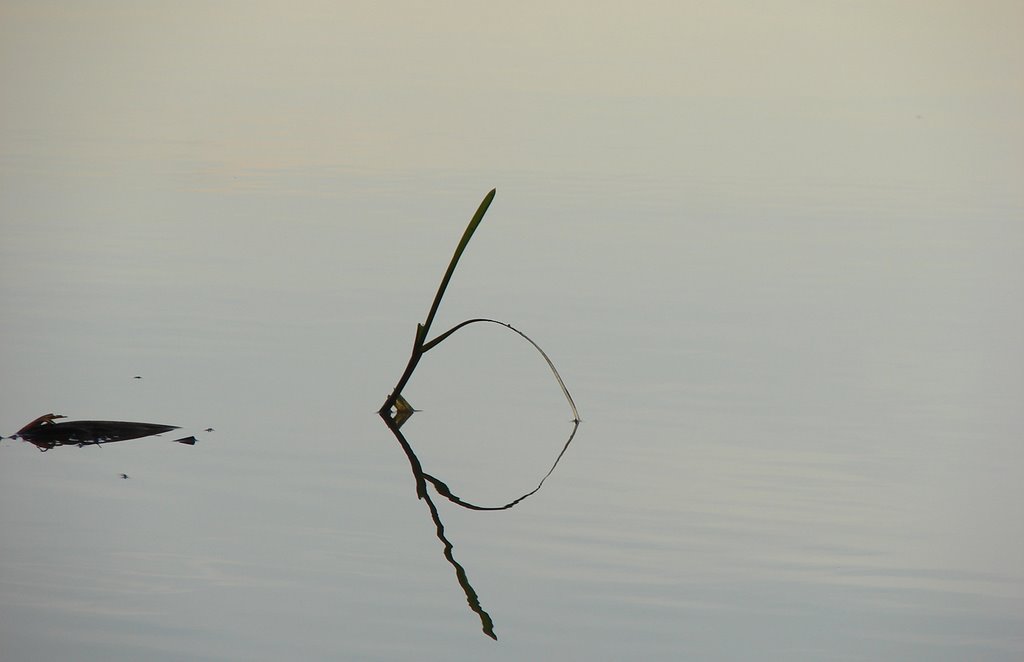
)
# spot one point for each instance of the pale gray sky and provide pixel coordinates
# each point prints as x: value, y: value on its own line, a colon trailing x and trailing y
x: 639, y: 87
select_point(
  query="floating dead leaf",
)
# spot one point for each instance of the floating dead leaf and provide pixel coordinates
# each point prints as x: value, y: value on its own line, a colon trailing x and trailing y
x: 45, y: 433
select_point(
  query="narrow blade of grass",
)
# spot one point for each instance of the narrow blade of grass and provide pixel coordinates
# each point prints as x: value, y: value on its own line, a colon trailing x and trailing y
x: 466, y: 236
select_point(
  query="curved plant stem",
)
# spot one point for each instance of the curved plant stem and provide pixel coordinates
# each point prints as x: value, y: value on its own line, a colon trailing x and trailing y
x: 565, y: 391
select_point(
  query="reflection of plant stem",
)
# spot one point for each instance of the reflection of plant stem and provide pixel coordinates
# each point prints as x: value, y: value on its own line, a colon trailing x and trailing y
x: 421, y: 491
x: 486, y: 624
x: 447, y: 493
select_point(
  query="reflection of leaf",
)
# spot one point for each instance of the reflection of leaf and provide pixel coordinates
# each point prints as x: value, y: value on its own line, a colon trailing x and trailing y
x: 472, y: 599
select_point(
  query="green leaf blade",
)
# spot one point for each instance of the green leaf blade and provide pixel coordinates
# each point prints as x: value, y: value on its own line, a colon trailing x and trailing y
x: 466, y: 236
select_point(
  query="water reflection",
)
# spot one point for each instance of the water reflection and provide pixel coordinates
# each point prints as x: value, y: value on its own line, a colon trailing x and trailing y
x: 394, y: 420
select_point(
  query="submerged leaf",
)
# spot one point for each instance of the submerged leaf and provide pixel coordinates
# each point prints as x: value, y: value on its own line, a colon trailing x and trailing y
x: 403, y: 410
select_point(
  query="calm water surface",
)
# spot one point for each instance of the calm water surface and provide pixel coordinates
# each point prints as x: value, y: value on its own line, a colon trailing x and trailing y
x: 795, y: 443
x: 793, y: 334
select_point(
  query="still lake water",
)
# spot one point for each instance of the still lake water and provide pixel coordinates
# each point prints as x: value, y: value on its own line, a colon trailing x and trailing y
x: 776, y: 254
x: 797, y: 443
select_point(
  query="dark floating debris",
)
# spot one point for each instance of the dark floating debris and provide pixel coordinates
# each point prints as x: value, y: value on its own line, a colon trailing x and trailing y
x: 191, y: 441
x: 137, y: 377
x: 125, y: 476
x: 45, y: 433
x: 208, y: 430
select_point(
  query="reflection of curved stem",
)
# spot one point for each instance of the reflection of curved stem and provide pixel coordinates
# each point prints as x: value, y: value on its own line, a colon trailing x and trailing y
x: 446, y: 492
x: 421, y: 491
x: 422, y: 478
x: 486, y: 624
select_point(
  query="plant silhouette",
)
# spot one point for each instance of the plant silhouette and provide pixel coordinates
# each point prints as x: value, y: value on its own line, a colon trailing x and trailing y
x: 396, y: 411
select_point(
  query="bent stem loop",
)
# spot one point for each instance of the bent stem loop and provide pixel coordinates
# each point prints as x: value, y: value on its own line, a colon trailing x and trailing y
x: 565, y: 391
